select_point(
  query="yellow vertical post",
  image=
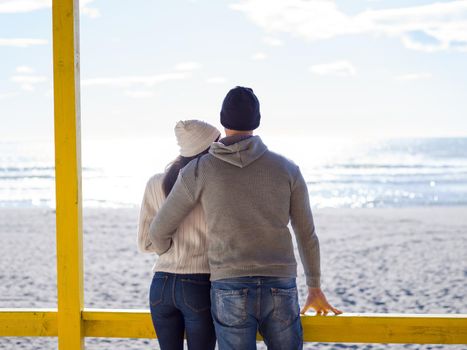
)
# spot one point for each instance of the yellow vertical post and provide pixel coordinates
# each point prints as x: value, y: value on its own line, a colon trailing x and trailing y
x: 68, y: 173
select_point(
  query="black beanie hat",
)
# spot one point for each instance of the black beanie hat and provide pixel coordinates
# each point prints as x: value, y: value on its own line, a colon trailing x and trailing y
x: 240, y: 110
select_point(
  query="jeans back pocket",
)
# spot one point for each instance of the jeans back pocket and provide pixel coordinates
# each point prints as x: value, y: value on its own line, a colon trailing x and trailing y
x: 231, y: 306
x: 196, y: 294
x: 285, y: 303
x: 156, y: 292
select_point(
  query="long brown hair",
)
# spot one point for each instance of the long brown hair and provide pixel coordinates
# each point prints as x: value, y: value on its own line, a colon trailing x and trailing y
x: 174, y: 168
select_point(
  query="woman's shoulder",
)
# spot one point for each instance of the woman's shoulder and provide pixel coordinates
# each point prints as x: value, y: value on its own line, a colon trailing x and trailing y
x: 154, y: 192
x: 154, y: 184
x: 156, y: 179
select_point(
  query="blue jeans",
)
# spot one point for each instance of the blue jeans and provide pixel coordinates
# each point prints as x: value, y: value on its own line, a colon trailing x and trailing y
x: 180, y: 303
x: 242, y: 306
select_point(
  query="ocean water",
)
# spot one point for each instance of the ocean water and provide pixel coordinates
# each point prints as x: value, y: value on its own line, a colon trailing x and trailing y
x: 340, y: 173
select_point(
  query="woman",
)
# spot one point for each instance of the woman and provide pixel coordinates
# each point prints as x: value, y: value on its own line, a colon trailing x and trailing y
x: 179, y: 292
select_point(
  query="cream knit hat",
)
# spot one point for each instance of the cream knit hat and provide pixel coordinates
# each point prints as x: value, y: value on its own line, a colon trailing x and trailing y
x: 194, y: 136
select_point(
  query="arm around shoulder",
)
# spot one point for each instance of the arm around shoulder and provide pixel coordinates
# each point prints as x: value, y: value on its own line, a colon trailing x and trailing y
x: 175, y: 208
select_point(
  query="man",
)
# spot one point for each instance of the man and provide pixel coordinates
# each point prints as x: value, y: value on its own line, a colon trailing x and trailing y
x: 249, y: 194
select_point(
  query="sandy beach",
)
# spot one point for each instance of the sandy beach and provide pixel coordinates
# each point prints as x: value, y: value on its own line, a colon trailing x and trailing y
x: 411, y: 260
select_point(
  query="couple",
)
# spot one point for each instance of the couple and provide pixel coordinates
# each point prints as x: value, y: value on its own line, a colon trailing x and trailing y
x: 218, y: 219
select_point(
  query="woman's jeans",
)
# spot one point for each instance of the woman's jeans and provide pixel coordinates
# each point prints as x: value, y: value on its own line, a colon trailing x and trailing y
x: 180, y: 303
x: 242, y: 306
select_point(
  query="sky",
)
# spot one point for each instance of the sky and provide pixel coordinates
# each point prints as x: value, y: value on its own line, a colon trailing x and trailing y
x: 320, y: 68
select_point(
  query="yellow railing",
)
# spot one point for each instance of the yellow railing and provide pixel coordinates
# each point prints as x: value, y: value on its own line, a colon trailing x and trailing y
x: 71, y: 322
x: 354, y: 328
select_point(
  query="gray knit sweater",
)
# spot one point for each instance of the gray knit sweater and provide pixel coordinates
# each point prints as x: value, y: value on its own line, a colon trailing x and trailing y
x: 249, y: 194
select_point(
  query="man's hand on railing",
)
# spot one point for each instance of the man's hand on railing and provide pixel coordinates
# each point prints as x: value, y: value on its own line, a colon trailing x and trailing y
x: 317, y: 300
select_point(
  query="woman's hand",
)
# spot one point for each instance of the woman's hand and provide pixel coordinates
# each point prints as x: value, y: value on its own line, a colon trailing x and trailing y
x: 317, y: 300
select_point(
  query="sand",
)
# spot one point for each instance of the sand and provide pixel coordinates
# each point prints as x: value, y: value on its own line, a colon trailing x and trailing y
x: 373, y: 260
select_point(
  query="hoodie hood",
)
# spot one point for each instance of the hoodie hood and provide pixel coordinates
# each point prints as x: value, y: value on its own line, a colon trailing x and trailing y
x: 240, y: 154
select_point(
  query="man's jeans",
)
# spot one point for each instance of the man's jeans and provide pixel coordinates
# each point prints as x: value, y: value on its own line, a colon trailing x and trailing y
x: 180, y: 303
x: 242, y: 306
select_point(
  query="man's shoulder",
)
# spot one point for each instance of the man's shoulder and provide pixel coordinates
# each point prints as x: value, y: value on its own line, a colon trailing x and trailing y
x: 280, y: 159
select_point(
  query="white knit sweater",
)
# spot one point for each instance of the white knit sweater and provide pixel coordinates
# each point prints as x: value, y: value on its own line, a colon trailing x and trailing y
x: 188, y: 252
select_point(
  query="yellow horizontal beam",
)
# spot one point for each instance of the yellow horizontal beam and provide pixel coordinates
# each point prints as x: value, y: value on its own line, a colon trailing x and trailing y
x: 118, y: 323
x: 387, y: 328
x: 353, y: 328
x: 28, y: 323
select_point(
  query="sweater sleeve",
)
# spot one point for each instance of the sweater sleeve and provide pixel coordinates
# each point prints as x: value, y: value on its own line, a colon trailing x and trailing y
x: 301, y: 219
x: 147, y: 213
x: 177, y: 206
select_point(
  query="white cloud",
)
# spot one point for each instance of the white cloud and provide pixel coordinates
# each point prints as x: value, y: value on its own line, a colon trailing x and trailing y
x: 21, y: 6
x: 414, y: 76
x: 28, y: 82
x: 259, y: 56
x: 16, y: 6
x: 216, y: 80
x: 24, y: 70
x: 432, y: 27
x: 337, y: 69
x: 269, y: 40
x: 187, y: 66
x: 140, y: 93
x: 128, y: 81
x: 22, y: 42
x: 6, y: 95
x: 29, y: 79
x: 91, y: 12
